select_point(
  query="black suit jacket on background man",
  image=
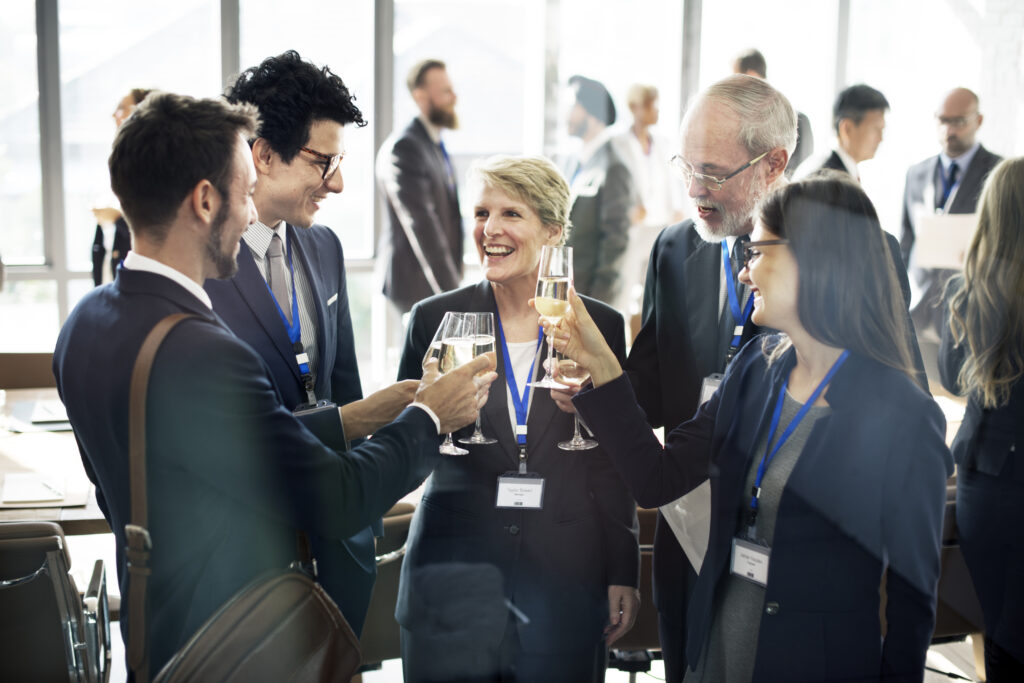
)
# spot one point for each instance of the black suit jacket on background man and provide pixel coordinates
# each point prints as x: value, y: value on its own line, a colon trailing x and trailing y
x: 931, y: 281
x: 122, y: 244
x: 602, y: 195
x: 347, y: 569
x: 231, y: 473
x: 680, y: 343
x: 557, y: 562
x: 421, y: 248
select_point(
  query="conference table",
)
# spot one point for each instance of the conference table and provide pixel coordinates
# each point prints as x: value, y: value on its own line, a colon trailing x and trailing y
x: 50, y: 452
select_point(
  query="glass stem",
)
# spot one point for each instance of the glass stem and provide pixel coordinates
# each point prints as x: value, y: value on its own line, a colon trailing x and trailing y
x: 576, y: 436
x: 551, y: 347
x: 477, y: 434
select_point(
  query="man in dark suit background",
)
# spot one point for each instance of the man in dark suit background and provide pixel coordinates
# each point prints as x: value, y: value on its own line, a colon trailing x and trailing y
x: 951, y: 183
x: 421, y: 248
x: 688, y: 330
x: 297, y: 153
x: 232, y: 475
x: 752, y: 63
x: 858, y: 118
x: 602, y: 194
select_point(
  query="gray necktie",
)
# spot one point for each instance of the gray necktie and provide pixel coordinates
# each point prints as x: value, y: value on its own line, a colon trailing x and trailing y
x: 277, y: 276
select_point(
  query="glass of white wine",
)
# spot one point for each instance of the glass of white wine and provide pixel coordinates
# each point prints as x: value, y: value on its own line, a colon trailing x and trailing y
x: 434, y: 350
x: 456, y: 349
x: 572, y: 374
x: 552, y: 300
x: 482, y: 325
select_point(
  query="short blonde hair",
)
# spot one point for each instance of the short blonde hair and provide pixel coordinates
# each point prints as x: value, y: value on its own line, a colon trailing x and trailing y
x: 640, y: 94
x: 533, y: 180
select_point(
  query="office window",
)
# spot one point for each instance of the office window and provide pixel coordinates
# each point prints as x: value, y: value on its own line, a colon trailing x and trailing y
x: 339, y: 35
x: 28, y: 309
x: 21, y: 240
x: 108, y: 47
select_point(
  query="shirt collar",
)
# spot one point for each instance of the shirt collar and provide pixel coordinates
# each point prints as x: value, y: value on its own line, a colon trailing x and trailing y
x: 590, y: 148
x: 258, y: 237
x: 963, y: 161
x: 433, y: 131
x: 848, y: 162
x: 136, y: 261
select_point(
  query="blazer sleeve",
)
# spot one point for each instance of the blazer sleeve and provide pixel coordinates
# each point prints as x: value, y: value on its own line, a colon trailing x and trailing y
x: 226, y: 424
x: 643, y: 365
x: 914, y: 500
x: 616, y: 506
x: 907, y: 225
x: 951, y: 356
x: 613, y: 224
x: 410, y: 191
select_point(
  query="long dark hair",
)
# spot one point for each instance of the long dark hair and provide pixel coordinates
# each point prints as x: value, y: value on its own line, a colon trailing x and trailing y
x: 987, y: 312
x: 848, y: 294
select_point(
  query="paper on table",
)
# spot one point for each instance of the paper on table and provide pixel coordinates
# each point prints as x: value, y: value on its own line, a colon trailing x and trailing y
x: 49, y: 411
x: 941, y: 240
x: 31, y: 488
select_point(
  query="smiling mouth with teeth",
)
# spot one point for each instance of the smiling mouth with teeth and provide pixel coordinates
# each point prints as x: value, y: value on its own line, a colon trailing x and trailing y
x: 498, y: 250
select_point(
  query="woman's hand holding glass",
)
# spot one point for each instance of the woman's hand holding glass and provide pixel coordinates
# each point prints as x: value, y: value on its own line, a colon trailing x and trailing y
x: 578, y: 338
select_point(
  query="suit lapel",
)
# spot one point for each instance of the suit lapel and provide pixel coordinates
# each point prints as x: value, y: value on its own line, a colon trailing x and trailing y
x: 252, y: 289
x: 494, y: 419
x: 701, y: 291
x: 966, y: 197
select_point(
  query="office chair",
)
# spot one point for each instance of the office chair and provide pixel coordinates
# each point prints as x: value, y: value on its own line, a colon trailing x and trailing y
x: 634, y: 651
x: 48, y: 631
x: 381, y: 638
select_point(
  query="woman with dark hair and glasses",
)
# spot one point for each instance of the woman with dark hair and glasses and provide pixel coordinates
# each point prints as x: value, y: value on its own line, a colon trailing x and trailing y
x: 827, y: 463
x: 982, y: 356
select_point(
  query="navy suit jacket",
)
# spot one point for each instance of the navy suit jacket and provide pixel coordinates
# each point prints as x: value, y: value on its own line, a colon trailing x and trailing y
x: 119, y: 249
x: 557, y: 562
x: 347, y: 569
x: 231, y: 473
x: 868, y: 492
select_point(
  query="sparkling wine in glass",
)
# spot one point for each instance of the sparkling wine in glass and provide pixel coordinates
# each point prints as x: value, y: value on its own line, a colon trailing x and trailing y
x: 552, y: 299
x: 434, y: 350
x: 572, y: 374
x: 456, y: 350
x: 483, y: 342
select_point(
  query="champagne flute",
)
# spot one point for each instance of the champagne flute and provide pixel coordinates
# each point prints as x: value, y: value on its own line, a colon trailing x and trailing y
x: 456, y: 349
x: 434, y: 350
x: 552, y: 300
x: 573, y: 374
x: 483, y: 342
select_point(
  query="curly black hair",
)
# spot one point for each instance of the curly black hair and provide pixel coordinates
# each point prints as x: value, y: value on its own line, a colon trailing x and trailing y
x: 291, y: 94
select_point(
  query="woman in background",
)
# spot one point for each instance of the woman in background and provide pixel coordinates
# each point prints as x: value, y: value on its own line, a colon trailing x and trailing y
x: 982, y: 357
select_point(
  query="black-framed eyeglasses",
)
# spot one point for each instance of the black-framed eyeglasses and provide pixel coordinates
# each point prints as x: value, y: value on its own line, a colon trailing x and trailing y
x: 709, y: 182
x: 751, y: 250
x: 330, y: 162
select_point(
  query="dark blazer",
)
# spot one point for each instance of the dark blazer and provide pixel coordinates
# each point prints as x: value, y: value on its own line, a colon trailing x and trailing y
x: 990, y: 483
x: 347, y: 569
x: 119, y: 249
x: 557, y: 562
x: 835, y: 163
x: 920, y: 176
x: 868, y: 490
x: 231, y: 473
x: 602, y: 197
x: 421, y: 248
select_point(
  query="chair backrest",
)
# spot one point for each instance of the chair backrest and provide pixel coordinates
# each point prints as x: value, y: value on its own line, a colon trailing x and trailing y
x: 381, y: 634
x: 26, y: 371
x: 43, y: 628
x: 644, y: 634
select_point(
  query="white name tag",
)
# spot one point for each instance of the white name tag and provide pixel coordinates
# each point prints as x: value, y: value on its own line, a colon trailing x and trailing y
x: 520, y: 491
x: 737, y: 331
x: 750, y: 561
x: 709, y: 386
x: 301, y: 358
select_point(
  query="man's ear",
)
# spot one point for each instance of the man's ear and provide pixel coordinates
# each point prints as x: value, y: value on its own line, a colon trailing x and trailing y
x: 843, y: 132
x: 263, y: 156
x: 776, y: 160
x: 205, y: 201
x: 421, y: 98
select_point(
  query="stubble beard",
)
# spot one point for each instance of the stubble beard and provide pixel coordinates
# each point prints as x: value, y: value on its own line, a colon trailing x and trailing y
x: 734, y: 223
x: 225, y: 265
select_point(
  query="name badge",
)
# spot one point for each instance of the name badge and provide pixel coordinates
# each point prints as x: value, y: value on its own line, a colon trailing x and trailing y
x: 524, y: 491
x: 709, y: 386
x: 750, y: 561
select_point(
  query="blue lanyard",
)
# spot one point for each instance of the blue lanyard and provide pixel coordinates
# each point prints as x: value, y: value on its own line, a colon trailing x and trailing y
x: 740, y: 318
x: 295, y: 331
x: 770, y: 452
x: 519, y: 401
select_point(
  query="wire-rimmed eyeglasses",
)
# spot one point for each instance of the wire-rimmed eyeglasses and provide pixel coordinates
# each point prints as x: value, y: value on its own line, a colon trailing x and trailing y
x: 709, y: 182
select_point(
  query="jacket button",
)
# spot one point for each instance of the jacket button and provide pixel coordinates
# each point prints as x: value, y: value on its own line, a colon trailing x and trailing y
x: 512, y: 529
x: 771, y: 608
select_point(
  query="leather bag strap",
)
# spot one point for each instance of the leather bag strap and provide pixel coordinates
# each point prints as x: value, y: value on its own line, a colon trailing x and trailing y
x: 137, y: 539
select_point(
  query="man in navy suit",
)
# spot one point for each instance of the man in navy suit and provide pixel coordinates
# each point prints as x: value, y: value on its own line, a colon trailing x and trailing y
x: 232, y: 474
x: 297, y: 153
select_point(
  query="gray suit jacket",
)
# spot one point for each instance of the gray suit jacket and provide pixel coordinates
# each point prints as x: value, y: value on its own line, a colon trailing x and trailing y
x: 602, y: 196
x: 421, y: 249
x: 930, y: 280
